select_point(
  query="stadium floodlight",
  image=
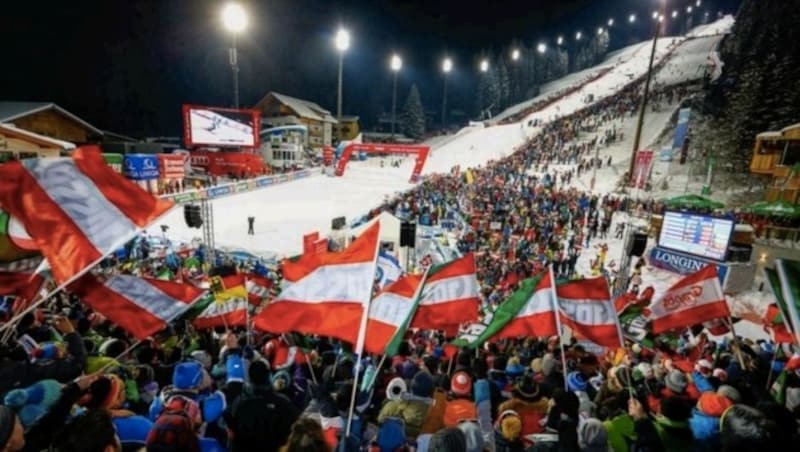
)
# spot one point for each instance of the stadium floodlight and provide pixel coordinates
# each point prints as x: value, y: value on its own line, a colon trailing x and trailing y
x: 578, y: 36
x: 661, y: 18
x: 674, y: 14
x: 600, y: 31
x: 342, y: 40
x: 699, y: 2
x: 515, y: 54
x: 541, y: 48
x: 632, y: 18
x: 447, y: 65
x: 655, y: 15
x: 396, y: 63
x: 611, y: 22
x: 484, y: 65
x: 560, y: 40
x: 234, y: 17
x: 689, y: 9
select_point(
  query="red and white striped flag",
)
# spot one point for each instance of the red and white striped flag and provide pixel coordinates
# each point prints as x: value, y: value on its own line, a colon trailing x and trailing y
x: 76, y: 210
x: 142, y: 307
x: 537, y: 318
x: 389, y: 315
x: 23, y: 286
x: 227, y: 313
x: 692, y: 300
x: 449, y: 297
x: 586, y: 307
x: 257, y: 288
x: 325, y: 293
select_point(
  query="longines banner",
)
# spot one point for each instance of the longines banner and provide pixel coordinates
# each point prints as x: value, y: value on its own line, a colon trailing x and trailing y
x: 682, y: 263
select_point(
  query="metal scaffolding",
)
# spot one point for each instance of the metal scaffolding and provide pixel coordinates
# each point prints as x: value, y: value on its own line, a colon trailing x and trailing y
x: 207, y: 213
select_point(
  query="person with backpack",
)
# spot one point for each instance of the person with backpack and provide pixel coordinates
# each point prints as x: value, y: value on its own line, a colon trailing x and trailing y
x: 412, y: 407
x: 260, y: 419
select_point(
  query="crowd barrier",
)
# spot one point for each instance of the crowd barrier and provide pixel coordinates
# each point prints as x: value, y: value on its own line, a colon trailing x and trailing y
x: 233, y: 188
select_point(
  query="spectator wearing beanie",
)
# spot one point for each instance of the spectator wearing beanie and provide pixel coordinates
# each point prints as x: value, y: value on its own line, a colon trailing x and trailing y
x: 528, y: 402
x: 108, y: 393
x: 705, y: 420
x: 677, y: 386
x: 413, y: 407
x: 592, y: 436
x: 508, y: 433
x: 448, y: 440
x: 460, y: 406
x: 260, y: 419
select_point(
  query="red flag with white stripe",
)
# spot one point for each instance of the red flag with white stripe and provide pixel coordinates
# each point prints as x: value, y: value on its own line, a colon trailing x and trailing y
x: 228, y: 313
x: 24, y: 286
x: 140, y: 306
x: 325, y: 293
x: 389, y: 312
x: 537, y: 318
x: 694, y: 299
x: 257, y: 288
x: 76, y: 210
x: 450, y: 296
x: 586, y: 307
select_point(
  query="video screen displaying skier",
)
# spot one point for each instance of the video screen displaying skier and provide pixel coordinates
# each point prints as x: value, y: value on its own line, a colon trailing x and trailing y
x: 223, y: 128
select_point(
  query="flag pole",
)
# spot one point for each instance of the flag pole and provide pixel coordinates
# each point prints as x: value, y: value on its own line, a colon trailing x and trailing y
x: 311, y: 370
x: 794, y: 317
x: 736, y: 341
x: 631, y: 391
x: 554, y: 304
x: 774, y: 357
x: 362, y: 333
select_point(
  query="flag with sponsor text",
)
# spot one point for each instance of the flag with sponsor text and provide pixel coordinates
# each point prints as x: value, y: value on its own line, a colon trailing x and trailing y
x: 325, y: 293
x: 695, y: 299
x: 449, y: 297
x: 389, y: 315
x: 76, y: 209
x: 586, y: 307
x: 140, y: 306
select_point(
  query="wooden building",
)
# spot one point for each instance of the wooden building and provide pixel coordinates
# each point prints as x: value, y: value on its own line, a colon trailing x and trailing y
x: 16, y: 144
x: 282, y: 110
x: 48, y: 119
x: 777, y: 154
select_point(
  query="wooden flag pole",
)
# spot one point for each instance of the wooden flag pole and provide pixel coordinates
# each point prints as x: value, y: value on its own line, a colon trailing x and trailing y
x: 554, y: 304
x: 774, y: 356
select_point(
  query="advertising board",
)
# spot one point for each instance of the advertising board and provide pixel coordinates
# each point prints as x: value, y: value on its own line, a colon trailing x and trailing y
x: 700, y: 235
x: 215, y: 126
x: 140, y: 166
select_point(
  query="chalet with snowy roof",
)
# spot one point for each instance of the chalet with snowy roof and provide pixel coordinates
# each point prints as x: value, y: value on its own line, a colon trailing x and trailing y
x: 280, y: 110
x: 49, y: 120
x: 777, y: 154
x: 16, y: 143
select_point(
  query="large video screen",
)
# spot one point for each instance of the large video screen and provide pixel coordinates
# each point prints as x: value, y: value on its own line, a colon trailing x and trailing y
x: 699, y: 235
x: 220, y: 126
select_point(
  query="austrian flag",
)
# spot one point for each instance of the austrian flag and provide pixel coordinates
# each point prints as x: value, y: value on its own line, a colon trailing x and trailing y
x: 449, y: 297
x: 76, y: 210
x: 691, y: 301
x: 586, y: 307
x: 389, y: 314
x: 140, y: 306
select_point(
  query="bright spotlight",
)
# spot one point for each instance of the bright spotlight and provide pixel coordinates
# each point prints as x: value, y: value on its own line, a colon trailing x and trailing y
x: 447, y: 65
x: 342, y: 40
x: 234, y: 17
x: 632, y: 18
x: 610, y: 22
x: 396, y: 63
x: 578, y: 36
x: 484, y: 65
x: 541, y: 48
x: 600, y: 31
x: 560, y: 40
x: 674, y: 14
x: 515, y: 54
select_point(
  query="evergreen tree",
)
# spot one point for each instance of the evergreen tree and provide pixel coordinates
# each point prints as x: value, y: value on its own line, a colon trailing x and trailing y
x: 503, y: 85
x: 412, y: 120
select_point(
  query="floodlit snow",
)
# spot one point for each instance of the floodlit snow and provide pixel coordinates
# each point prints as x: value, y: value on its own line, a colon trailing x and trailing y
x: 285, y: 212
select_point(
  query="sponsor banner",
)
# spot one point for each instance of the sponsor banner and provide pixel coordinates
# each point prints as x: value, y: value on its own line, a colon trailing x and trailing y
x: 641, y: 171
x: 681, y: 128
x: 114, y: 161
x: 238, y: 187
x: 242, y: 186
x: 185, y: 197
x: 683, y: 264
x: 216, y: 192
x: 140, y: 166
x: 265, y: 181
x: 172, y: 166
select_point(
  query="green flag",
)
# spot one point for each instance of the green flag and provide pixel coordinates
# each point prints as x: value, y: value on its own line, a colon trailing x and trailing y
x: 478, y: 333
x: 198, y: 307
x: 775, y: 285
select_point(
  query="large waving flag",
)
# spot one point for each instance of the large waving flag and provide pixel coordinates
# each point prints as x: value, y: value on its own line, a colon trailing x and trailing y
x: 586, y: 307
x: 76, y: 210
x: 789, y: 275
x: 695, y: 299
x: 140, y: 306
x: 258, y: 288
x: 227, y: 313
x: 776, y: 318
x: 325, y: 293
x: 450, y: 296
x: 390, y: 313
x: 23, y: 286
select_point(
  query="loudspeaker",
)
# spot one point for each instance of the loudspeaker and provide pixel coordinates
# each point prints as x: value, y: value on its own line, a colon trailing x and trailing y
x: 638, y: 245
x: 740, y: 253
x: 338, y: 223
x: 192, y: 216
x: 408, y: 234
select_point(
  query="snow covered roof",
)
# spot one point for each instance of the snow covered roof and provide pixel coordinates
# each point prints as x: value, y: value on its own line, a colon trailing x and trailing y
x: 42, y: 139
x: 11, y: 110
x: 769, y: 135
x: 304, y: 108
x: 791, y: 127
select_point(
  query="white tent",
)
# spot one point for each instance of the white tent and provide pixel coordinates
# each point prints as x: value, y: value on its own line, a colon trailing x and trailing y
x: 390, y: 228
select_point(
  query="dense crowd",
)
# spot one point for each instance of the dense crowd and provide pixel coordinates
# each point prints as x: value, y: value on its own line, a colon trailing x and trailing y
x: 82, y: 387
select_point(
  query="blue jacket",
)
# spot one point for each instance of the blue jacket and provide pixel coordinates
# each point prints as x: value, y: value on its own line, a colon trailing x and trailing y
x: 705, y: 430
x: 132, y: 430
x: 702, y: 382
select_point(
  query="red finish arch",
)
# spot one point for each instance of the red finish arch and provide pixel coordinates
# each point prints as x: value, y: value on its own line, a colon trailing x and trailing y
x: 420, y: 151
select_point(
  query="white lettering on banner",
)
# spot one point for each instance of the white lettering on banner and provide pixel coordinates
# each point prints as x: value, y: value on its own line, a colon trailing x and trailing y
x: 473, y: 331
x: 449, y: 289
x: 587, y: 312
x: 681, y: 263
x: 146, y: 296
x: 346, y: 283
x: 706, y: 291
x: 390, y: 308
x: 99, y: 220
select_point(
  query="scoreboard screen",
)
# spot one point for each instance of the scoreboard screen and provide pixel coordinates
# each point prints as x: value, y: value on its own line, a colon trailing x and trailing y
x: 699, y: 235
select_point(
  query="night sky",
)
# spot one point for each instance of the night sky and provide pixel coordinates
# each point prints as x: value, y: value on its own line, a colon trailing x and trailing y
x: 128, y: 65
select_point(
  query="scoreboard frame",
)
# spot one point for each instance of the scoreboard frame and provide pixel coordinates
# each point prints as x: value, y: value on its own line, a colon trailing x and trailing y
x: 701, y: 218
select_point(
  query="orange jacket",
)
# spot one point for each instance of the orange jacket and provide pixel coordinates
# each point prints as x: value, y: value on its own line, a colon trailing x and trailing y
x: 458, y: 410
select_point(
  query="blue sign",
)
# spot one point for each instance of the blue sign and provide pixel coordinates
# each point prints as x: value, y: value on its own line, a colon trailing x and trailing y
x: 683, y: 264
x: 219, y: 191
x: 682, y: 128
x: 665, y: 155
x: 141, y: 166
x: 264, y: 182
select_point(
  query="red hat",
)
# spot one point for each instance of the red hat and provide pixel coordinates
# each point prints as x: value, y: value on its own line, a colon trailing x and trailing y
x: 713, y: 404
x: 461, y: 384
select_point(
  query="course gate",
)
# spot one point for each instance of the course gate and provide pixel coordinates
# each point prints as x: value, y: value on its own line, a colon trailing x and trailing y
x: 420, y: 151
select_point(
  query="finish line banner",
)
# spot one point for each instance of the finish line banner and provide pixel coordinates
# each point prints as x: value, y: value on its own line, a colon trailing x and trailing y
x: 683, y: 264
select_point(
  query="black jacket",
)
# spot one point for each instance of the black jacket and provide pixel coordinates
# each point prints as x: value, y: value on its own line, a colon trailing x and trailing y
x: 20, y: 374
x: 260, y: 420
